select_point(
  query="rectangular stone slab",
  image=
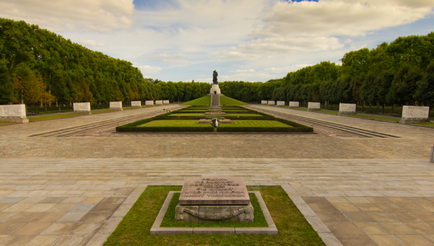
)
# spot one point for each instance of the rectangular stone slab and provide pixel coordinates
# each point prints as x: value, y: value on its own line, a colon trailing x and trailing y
x: 214, y: 191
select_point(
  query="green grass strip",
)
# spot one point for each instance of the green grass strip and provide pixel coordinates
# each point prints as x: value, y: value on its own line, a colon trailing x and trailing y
x: 177, y: 123
x: 169, y: 218
x: 224, y: 100
x: 255, y: 123
x: 293, y: 227
x: 375, y: 117
x: 199, y: 101
x: 51, y: 117
x: 426, y: 124
x: 4, y: 123
x: 206, y: 115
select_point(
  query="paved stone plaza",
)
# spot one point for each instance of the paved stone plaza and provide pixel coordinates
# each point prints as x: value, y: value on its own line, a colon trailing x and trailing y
x: 74, y: 190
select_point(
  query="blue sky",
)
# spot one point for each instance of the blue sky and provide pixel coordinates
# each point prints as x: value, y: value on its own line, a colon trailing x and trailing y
x: 250, y: 40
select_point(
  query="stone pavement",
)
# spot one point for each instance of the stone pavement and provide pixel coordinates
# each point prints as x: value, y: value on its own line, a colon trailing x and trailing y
x: 75, y: 190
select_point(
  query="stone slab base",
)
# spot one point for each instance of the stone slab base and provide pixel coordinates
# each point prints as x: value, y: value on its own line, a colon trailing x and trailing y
x: 157, y: 230
x: 83, y: 112
x: 117, y: 109
x: 208, y: 213
x: 15, y: 120
x: 412, y: 121
x: 345, y: 113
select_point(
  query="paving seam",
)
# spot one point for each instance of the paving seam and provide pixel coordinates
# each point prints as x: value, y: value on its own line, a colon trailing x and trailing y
x: 323, y: 231
x: 110, y: 225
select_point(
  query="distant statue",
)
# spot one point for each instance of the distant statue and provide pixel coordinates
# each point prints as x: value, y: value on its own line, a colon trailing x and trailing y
x: 214, y: 77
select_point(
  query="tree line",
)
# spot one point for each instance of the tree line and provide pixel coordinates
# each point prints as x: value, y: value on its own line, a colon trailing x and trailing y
x: 40, y: 67
x: 396, y: 73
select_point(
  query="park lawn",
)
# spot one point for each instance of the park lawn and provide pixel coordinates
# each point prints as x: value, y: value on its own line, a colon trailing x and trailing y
x: 293, y: 227
x: 51, y: 117
x: 209, y: 115
x: 327, y: 112
x: 4, y: 123
x: 199, y: 101
x: 224, y: 100
x: 427, y: 124
x: 375, y: 117
x: 174, y: 123
x: 255, y: 123
x: 103, y: 111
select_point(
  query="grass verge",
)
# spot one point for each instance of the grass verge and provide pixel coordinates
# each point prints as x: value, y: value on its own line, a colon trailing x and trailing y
x: 4, y: 123
x: 52, y: 117
x: 255, y: 123
x: 176, y: 123
x: 426, y: 124
x: 169, y: 218
x: 293, y: 227
x: 375, y: 117
x: 224, y: 100
x: 199, y: 101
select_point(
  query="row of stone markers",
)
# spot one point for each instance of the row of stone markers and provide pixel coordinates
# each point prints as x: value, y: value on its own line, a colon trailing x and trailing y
x: 17, y: 113
x: 410, y: 114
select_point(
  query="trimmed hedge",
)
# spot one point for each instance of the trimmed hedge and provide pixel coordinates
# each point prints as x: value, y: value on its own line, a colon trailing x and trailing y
x: 166, y: 129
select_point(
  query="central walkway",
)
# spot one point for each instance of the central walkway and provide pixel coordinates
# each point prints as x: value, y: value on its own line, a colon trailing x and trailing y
x: 74, y: 190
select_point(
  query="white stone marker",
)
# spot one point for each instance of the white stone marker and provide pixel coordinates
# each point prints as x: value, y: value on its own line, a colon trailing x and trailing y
x: 13, y: 113
x: 311, y: 106
x: 116, y: 105
x: 347, y: 108
x: 414, y: 114
x: 280, y: 103
x: 149, y: 103
x: 136, y: 104
x: 264, y: 102
x: 294, y: 104
x: 166, y: 102
x: 271, y: 103
x: 82, y: 107
x: 158, y: 102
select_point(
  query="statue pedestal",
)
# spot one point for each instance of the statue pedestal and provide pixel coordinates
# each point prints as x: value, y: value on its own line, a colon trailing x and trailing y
x: 215, y: 89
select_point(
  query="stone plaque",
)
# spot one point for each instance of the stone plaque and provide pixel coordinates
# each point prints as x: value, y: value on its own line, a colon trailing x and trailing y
x: 136, y: 103
x: 166, y: 102
x: 158, y: 102
x: 294, y: 104
x: 116, y: 105
x: 13, y: 111
x: 264, y: 102
x: 347, y: 108
x: 214, y: 191
x: 280, y: 103
x: 149, y: 102
x: 271, y: 103
x: 314, y: 105
x: 415, y: 112
x: 81, y: 107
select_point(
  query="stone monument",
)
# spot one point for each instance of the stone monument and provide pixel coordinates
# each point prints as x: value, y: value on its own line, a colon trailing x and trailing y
x: 294, y: 104
x: 149, y: 102
x: 280, y: 103
x: 116, y: 105
x: 215, y: 90
x: 214, y: 199
x: 13, y: 113
x: 347, y: 108
x: 414, y: 114
x: 264, y: 102
x: 137, y: 104
x: 81, y: 107
x: 311, y: 106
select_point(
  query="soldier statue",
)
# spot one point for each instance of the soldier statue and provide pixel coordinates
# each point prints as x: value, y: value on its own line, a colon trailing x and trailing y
x: 214, y: 77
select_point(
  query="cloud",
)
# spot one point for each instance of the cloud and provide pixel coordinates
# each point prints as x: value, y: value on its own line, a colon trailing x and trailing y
x: 145, y: 69
x: 336, y: 17
x: 166, y: 56
x: 95, y: 15
x: 243, y: 71
x: 259, y: 48
x: 175, y: 59
x: 286, y: 69
x: 88, y: 42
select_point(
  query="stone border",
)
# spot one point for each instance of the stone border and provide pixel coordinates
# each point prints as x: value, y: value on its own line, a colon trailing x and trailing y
x: 325, y: 234
x: 157, y: 230
x: 110, y: 225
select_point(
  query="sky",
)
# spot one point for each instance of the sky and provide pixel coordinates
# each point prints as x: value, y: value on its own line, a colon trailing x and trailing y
x: 244, y: 40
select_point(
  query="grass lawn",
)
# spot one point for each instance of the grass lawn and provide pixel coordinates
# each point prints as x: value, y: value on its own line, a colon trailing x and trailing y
x: 4, y: 123
x: 255, y: 123
x: 199, y: 101
x: 293, y: 227
x: 169, y: 218
x: 230, y: 101
x: 327, y: 112
x: 375, y: 117
x: 103, y: 111
x: 426, y: 124
x: 50, y: 117
x: 177, y: 123
x: 226, y: 115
